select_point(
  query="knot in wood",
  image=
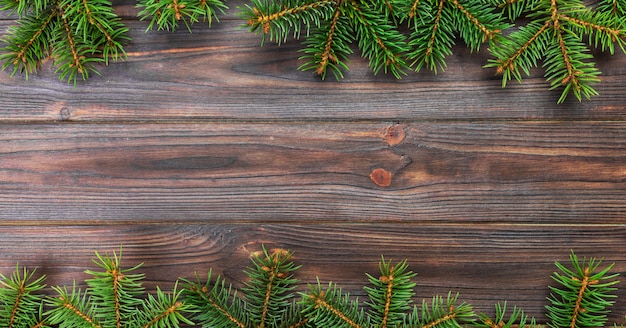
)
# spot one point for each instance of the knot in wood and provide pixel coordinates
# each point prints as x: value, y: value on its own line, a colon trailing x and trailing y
x: 394, y: 135
x: 65, y: 114
x: 381, y: 177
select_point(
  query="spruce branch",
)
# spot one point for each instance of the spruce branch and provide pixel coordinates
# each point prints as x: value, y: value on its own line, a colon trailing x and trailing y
x: 584, y: 294
x: 514, y: 9
x: 28, y: 43
x: 115, y: 290
x: 391, y: 293
x: 331, y: 307
x: 269, y: 290
x: 163, y: 310
x: 271, y: 17
x: 169, y: 14
x: 267, y: 299
x: 71, y: 308
x: 435, y: 24
x: 441, y: 313
x: 390, y: 296
x: 215, y: 304
x: 21, y: 300
x: 330, y: 28
x: 516, y: 319
x: 616, y: 8
x: 295, y: 317
x: 76, y: 34
x: 554, y: 34
x: 115, y: 298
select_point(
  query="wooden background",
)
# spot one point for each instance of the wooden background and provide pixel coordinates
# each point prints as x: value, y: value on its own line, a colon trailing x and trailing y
x: 201, y: 147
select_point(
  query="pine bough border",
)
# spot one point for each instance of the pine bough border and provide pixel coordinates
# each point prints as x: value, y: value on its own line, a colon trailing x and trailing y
x: 394, y: 36
x: 114, y: 297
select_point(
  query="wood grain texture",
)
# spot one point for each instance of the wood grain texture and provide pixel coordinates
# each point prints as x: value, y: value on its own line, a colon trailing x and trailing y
x: 485, y: 263
x: 223, y: 74
x: 513, y: 172
x: 203, y: 146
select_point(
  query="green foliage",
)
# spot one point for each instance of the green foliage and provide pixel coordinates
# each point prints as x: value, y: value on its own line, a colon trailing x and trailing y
x: 583, y: 296
x: 267, y: 295
x: 76, y: 34
x: 79, y: 35
x: 441, y: 313
x: 215, y: 303
x: 168, y: 14
x: 21, y: 300
x: 516, y: 319
x: 391, y: 294
x: 394, y: 36
x: 436, y: 23
x: 114, y: 298
x: 331, y: 307
x: 269, y: 290
x: 331, y: 27
x: 555, y: 34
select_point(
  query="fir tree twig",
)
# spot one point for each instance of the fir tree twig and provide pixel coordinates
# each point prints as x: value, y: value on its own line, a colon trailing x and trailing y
x: 516, y: 319
x: 21, y: 300
x: 331, y: 27
x: 584, y: 294
x: 115, y: 298
x: 435, y: 24
x: 76, y: 34
x: 168, y: 14
x: 554, y: 34
x: 266, y: 301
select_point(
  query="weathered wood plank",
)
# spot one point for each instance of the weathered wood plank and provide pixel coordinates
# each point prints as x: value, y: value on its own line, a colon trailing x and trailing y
x: 485, y: 263
x: 547, y: 172
x: 223, y: 74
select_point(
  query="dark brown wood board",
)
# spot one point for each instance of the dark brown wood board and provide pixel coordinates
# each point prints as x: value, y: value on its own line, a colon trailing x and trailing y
x: 203, y: 146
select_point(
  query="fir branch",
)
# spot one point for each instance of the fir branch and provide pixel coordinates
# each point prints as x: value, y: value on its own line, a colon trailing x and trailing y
x: 168, y: 14
x: 554, y: 35
x: 76, y: 34
x: 267, y: 300
x: 616, y: 8
x: 268, y: 292
x: 513, y: 9
x: 331, y: 27
x: 331, y: 307
x: 99, y: 24
x: 117, y: 291
x: 70, y: 52
x: 214, y: 304
x: 379, y: 42
x: 28, y: 43
x: 568, y: 65
x: 391, y: 294
x: 164, y: 310
x: 603, y: 29
x: 295, y: 317
x: 581, y: 300
x: 71, y: 309
x: 584, y: 296
x: 516, y: 319
x: 441, y: 313
x: 276, y: 19
x: 115, y: 298
x: 21, y: 300
x: 23, y: 7
x: 329, y: 47
x: 435, y: 23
